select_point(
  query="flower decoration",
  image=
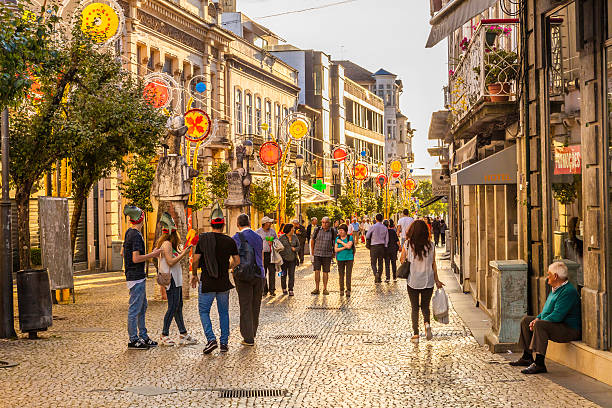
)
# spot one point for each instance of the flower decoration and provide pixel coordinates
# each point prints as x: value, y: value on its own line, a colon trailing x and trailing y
x: 464, y: 44
x: 198, y: 125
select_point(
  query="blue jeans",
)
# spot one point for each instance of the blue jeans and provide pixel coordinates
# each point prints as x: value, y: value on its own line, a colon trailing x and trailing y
x: 205, y: 301
x: 136, y: 312
x: 175, y: 309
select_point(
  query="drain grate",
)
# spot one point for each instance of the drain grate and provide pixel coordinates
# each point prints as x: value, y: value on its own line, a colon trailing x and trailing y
x: 8, y: 364
x: 296, y: 336
x: 324, y: 307
x: 251, y: 393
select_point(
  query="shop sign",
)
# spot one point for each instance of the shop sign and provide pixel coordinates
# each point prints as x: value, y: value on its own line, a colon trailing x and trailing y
x: 440, y: 183
x: 568, y: 160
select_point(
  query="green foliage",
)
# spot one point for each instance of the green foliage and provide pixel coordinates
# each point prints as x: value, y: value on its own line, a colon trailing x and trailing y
x: 262, y: 196
x: 291, y: 198
x: 348, y: 204
x: 217, y: 181
x: 137, y: 188
x: 36, y: 255
x: 423, y: 193
x: 201, y: 193
x: 565, y: 193
x: 27, y: 45
x: 318, y: 211
x: 334, y: 212
x: 500, y: 66
x: 368, y: 202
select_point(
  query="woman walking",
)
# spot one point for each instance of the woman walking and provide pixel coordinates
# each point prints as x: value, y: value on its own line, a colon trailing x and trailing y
x: 391, y: 251
x: 421, y: 254
x: 169, y: 262
x: 345, y: 257
x: 291, y: 245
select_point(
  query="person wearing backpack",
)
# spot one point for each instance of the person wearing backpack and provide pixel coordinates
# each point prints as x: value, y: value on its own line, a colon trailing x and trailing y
x: 345, y: 255
x: 322, y: 251
x: 215, y: 255
x: 249, y: 278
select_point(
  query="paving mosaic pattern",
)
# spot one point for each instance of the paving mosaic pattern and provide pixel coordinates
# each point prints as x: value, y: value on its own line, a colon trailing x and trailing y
x: 323, y: 351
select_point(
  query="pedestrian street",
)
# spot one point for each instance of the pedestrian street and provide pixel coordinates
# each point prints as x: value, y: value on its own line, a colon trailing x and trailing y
x: 311, y: 351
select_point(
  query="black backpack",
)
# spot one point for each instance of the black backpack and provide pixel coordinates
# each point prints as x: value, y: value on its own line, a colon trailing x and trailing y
x: 247, y: 270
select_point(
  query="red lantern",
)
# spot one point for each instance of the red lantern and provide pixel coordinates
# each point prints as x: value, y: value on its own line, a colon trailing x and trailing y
x: 156, y: 92
x: 339, y: 154
x: 381, y: 180
x: 270, y: 153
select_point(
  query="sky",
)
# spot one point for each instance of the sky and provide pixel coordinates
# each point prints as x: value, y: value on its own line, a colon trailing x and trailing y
x: 389, y: 34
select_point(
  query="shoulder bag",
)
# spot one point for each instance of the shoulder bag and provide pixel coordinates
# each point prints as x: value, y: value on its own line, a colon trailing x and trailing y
x: 403, y: 272
x: 164, y: 277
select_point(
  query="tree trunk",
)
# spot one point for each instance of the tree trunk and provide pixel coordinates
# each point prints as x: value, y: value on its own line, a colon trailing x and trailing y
x: 79, y: 201
x: 22, y: 197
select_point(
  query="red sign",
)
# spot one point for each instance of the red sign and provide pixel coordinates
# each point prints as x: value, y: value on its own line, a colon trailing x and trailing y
x: 568, y: 160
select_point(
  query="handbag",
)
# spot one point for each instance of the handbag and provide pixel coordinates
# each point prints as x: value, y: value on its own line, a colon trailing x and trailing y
x: 368, y: 243
x: 403, y: 272
x: 163, y: 278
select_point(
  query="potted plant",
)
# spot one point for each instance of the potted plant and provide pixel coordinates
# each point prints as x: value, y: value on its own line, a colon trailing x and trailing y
x: 492, y: 32
x: 500, y: 69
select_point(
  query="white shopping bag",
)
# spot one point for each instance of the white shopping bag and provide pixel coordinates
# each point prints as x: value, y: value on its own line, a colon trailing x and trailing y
x: 439, y: 306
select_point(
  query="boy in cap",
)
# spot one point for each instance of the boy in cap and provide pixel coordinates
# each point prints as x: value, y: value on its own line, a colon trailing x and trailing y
x: 135, y: 275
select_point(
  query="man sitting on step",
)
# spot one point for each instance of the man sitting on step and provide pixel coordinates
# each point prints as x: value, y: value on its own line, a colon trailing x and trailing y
x: 560, y: 321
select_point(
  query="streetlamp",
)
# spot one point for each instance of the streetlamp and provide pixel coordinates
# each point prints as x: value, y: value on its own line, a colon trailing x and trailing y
x: 248, y: 150
x: 335, y: 171
x: 299, y: 162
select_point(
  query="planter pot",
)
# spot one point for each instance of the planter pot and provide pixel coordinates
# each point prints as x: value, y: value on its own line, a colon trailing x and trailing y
x: 499, y: 92
x: 490, y: 38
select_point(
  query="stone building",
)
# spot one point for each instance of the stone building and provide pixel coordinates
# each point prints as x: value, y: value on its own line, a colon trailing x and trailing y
x: 529, y: 160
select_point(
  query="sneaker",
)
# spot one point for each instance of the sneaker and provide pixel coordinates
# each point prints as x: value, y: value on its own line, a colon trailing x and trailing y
x: 429, y: 335
x: 150, y: 343
x: 210, y: 346
x: 522, y: 362
x: 290, y: 293
x: 137, y: 345
x: 285, y: 292
x: 187, y: 340
x: 315, y: 292
x: 415, y: 339
x: 166, y: 341
x: 348, y: 293
x: 246, y: 343
x: 534, y: 369
x: 224, y: 348
x: 325, y: 292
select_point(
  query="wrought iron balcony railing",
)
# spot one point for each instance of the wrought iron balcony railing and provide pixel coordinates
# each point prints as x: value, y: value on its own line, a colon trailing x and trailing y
x: 488, y: 69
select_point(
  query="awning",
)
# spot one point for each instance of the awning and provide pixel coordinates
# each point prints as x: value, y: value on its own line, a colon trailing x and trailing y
x: 454, y: 15
x: 499, y: 168
x: 310, y: 195
x: 431, y: 201
x: 466, y: 152
x: 439, y: 126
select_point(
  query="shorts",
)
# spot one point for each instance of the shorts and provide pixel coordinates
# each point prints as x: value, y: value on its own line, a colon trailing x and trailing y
x: 322, y: 263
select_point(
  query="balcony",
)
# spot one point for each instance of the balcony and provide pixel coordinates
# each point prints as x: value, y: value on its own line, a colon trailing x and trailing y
x: 483, y: 84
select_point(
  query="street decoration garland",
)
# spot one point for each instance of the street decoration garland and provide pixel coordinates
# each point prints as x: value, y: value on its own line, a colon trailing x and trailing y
x: 103, y: 19
x: 381, y: 180
x: 340, y: 153
x: 198, y: 125
x: 361, y: 172
x: 410, y: 184
x: 396, y: 166
x: 162, y: 91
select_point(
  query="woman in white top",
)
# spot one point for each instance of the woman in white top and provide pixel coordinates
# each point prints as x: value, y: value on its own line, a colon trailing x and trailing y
x: 421, y: 253
x: 169, y: 260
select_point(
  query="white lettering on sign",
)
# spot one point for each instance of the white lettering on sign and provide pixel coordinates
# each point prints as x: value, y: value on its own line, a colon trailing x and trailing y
x: 568, y: 160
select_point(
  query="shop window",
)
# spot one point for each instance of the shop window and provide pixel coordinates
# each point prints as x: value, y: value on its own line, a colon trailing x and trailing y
x: 564, y: 138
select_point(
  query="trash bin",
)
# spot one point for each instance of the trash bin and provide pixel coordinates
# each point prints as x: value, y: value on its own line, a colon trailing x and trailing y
x: 34, y: 301
x: 116, y: 263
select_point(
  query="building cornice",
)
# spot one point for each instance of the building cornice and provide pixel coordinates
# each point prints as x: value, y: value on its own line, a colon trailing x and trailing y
x: 256, y: 72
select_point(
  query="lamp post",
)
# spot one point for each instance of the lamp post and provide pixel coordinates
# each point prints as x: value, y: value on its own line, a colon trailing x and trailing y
x: 248, y: 150
x: 299, y: 162
x: 335, y: 171
x: 7, y: 326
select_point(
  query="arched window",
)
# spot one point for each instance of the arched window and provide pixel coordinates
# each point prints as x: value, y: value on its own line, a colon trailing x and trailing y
x: 258, y: 115
x: 277, y: 119
x: 269, y: 116
x: 238, y: 112
x: 249, y: 113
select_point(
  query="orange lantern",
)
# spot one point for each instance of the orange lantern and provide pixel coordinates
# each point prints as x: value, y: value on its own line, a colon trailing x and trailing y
x: 339, y: 154
x: 410, y: 184
x: 270, y: 153
x: 198, y: 125
x: 156, y: 92
x: 361, y: 171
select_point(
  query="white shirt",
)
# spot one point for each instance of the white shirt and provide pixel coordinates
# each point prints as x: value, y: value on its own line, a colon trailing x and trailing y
x: 404, y: 222
x: 131, y: 284
x: 421, y: 270
x: 350, y: 229
x: 176, y: 271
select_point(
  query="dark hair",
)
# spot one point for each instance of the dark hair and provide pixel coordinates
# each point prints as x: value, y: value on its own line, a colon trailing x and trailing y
x: 391, y: 224
x: 379, y: 217
x: 406, y: 212
x: 172, y: 237
x: 343, y: 227
x: 418, y: 233
x: 287, y: 228
x: 386, y: 223
x: 244, y: 220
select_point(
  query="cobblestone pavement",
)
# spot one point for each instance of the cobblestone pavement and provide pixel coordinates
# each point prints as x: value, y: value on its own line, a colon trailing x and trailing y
x: 352, y: 353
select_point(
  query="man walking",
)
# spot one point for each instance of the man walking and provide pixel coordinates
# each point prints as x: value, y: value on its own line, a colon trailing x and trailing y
x: 215, y: 254
x: 310, y: 229
x: 435, y: 227
x: 443, y: 229
x: 249, y: 292
x: 322, y: 250
x: 403, y: 224
x: 268, y: 235
x: 300, y: 233
x: 356, y: 231
x: 378, y: 235
x: 135, y: 275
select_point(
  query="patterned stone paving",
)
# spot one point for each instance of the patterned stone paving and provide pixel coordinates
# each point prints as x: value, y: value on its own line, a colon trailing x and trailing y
x: 346, y: 353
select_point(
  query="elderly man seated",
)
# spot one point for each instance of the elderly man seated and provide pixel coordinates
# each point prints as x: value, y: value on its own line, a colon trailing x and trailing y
x: 560, y: 321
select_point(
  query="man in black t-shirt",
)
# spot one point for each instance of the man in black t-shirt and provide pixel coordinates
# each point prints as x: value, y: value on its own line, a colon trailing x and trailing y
x: 215, y: 254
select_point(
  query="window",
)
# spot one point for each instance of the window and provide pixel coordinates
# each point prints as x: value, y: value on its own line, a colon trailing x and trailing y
x: 285, y: 112
x: 249, y: 113
x: 167, y: 66
x: 238, y: 111
x: 277, y: 119
x: 317, y: 82
x: 269, y: 116
x: 258, y: 115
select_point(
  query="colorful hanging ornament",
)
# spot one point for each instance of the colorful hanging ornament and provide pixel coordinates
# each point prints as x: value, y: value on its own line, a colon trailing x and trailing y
x: 198, y: 125
x: 361, y: 171
x: 270, y: 153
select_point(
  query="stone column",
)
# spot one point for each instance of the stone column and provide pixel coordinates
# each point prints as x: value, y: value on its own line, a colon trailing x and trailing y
x: 482, y: 246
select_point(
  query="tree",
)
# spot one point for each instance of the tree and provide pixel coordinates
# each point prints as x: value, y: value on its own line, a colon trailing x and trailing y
x: 217, y: 181
x: 318, y: 211
x: 348, y: 204
x: 200, y: 193
x: 291, y: 197
x: 262, y: 196
x: 423, y: 193
x: 137, y: 188
x: 368, y: 203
